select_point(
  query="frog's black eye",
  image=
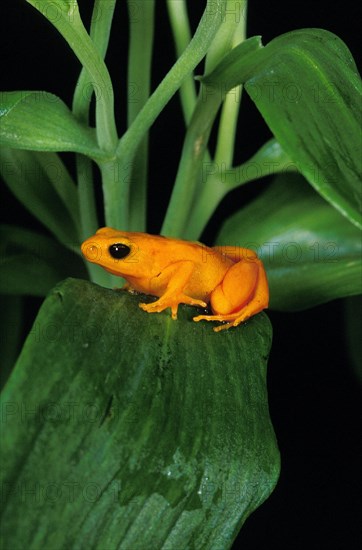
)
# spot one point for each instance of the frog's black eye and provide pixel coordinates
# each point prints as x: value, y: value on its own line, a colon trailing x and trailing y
x: 119, y: 251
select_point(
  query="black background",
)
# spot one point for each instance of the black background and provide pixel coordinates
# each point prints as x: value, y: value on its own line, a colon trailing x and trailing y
x: 313, y: 392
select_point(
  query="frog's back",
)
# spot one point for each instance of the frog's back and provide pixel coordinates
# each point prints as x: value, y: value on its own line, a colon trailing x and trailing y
x: 173, y: 250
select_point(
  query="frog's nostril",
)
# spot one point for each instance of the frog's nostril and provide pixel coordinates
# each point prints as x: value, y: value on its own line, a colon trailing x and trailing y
x: 91, y: 251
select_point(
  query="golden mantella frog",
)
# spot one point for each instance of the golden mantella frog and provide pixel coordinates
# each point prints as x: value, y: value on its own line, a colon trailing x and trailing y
x: 231, y: 279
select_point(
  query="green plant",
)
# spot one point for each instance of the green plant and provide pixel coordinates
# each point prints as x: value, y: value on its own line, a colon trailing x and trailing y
x: 306, y: 86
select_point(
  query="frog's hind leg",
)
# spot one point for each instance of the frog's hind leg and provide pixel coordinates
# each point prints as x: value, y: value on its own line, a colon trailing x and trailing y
x: 243, y: 293
x: 259, y: 302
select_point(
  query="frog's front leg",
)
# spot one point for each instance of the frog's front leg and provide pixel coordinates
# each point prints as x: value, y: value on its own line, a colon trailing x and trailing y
x: 242, y: 293
x: 174, y: 279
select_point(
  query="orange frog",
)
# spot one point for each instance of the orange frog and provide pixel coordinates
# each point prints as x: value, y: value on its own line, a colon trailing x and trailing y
x: 231, y: 279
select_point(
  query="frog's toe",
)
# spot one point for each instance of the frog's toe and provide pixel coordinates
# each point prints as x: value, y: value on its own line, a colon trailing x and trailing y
x: 208, y: 318
x: 150, y: 308
x: 224, y: 326
x: 157, y: 307
x: 194, y: 302
x: 227, y: 320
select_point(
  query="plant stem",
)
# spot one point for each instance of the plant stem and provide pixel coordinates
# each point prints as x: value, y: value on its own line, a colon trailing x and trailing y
x: 99, y: 33
x: 139, y: 84
x: 116, y: 192
x: 193, y: 54
x: 177, y: 12
x: 88, y: 211
x: 189, y: 182
x: 88, y: 214
x: 62, y: 183
x: 190, y: 167
x: 230, y: 110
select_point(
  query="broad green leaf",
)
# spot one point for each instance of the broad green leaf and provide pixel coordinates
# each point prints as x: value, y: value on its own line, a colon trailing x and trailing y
x: 11, y: 326
x: 40, y: 121
x: 31, y: 263
x: 312, y: 254
x: 135, y: 431
x: 27, y: 174
x: 307, y: 87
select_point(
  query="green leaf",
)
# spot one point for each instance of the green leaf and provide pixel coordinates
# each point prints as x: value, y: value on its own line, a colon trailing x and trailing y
x: 50, y: 199
x: 11, y: 326
x: 306, y: 86
x: 269, y: 160
x: 40, y: 121
x: 65, y: 16
x: 32, y: 263
x: 312, y: 254
x: 135, y: 431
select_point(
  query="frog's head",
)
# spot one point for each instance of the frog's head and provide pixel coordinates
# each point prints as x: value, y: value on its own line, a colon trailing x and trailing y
x: 118, y: 252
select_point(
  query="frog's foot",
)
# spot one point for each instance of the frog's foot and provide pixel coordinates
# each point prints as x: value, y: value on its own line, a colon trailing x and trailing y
x: 172, y: 302
x: 232, y: 319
